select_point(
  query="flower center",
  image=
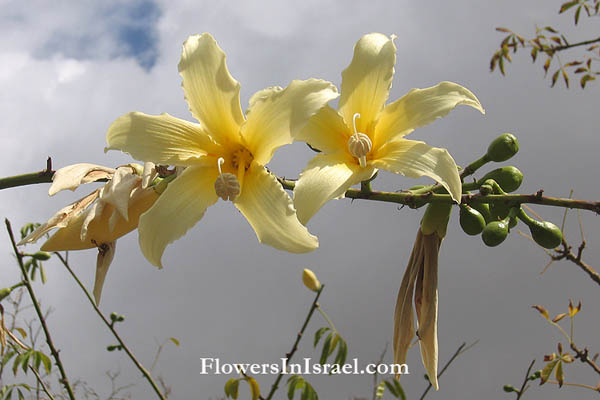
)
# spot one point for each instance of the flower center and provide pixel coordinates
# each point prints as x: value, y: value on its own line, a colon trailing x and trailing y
x: 227, y: 185
x: 241, y: 157
x: 359, y: 144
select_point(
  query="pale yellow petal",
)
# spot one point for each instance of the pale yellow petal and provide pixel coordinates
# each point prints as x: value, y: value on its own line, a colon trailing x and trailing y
x: 179, y: 208
x: 416, y: 159
x: 326, y: 131
x: 118, y: 190
x: 68, y: 238
x: 71, y: 176
x: 367, y: 81
x: 420, y: 107
x: 404, y: 330
x: 270, y: 211
x: 210, y: 90
x: 276, y: 115
x: 162, y: 139
x: 326, y: 177
x: 106, y: 253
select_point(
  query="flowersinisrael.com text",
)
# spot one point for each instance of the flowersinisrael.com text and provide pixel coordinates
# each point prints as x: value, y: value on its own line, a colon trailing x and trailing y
x: 306, y: 367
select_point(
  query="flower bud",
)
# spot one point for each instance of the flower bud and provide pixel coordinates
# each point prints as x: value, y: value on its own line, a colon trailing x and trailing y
x: 509, y: 178
x: 42, y: 256
x: 5, y: 293
x: 310, y: 280
x: 546, y: 234
x: 494, y: 233
x: 503, y: 147
x: 509, y: 388
x: 471, y: 220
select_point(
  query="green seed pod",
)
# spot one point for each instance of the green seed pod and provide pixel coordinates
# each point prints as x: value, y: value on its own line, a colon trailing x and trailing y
x: 499, y: 210
x: 4, y: 293
x: 484, y: 209
x: 471, y: 220
x: 503, y: 147
x: 42, y: 256
x: 509, y: 388
x: 546, y: 234
x: 494, y: 233
x: 509, y: 178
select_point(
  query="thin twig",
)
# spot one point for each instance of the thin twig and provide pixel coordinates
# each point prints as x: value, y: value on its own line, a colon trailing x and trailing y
x: 290, y: 354
x: 376, y: 374
x: 64, y: 380
x: 461, y: 349
x: 583, y: 356
x: 418, y: 200
x: 525, y: 380
x: 110, y: 326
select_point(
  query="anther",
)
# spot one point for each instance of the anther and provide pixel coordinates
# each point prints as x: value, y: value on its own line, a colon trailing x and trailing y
x: 227, y: 186
x: 359, y: 144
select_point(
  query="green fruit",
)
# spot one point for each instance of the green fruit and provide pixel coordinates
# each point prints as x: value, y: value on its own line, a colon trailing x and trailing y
x: 42, y: 256
x: 484, y: 209
x: 503, y: 147
x: 509, y: 178
x: 546, y: 234
x: 499, y: 210
x: 494, y: 233
x: 471, y: 220
x: 4, y: 293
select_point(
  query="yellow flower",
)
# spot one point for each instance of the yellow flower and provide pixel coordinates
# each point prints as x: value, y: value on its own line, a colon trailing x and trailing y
x: 366, y: 135
x: 224, y: 153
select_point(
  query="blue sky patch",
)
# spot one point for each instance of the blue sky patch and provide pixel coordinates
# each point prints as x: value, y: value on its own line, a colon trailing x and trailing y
x: 124, y: 30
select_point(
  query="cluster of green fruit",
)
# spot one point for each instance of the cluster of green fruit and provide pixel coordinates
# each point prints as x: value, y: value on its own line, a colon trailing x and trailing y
x: 494, y: 220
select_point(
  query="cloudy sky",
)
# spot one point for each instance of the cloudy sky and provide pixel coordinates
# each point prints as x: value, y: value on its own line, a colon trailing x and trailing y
x: 68, y: 69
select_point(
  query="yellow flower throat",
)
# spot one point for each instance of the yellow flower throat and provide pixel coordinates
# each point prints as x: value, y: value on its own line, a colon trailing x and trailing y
x: 229, y: 185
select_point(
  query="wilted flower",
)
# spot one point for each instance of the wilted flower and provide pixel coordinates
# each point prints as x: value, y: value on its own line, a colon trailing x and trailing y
x: 421, y: 280
x: 99, y: 218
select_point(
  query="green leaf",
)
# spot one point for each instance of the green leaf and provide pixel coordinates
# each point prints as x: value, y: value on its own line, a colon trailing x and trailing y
x: 326, y: 345
x: 534, y: 53
x: 21, y: 332
x: 254, y: 387
x: 47, y: 363
x: 294, y: 383
x: 547, y: 371
x: 399, y: 389
x: 16, y: 363
x: 565, y: 6
x: 334, y: 343
x: 37, y: 360
x: 318, y: 335
x: 392, y: 389
x: 7, y: 356
x: 175, y: 341
x: 340, y: 357
x: 577, y: 14
x: 232, y: 388
x: 560, y: 377
x: 555, y: 77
